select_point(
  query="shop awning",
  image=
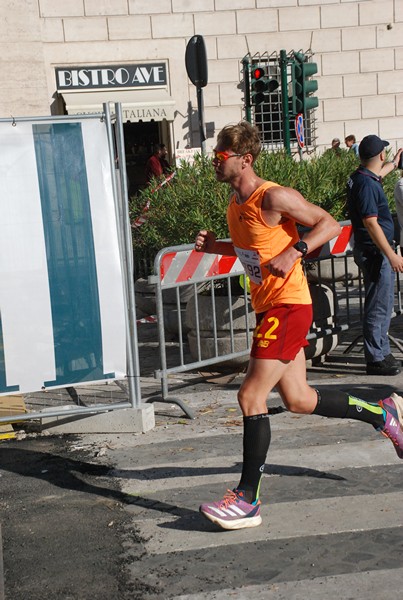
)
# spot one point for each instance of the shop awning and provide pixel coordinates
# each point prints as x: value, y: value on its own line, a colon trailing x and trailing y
x: 137, y: 105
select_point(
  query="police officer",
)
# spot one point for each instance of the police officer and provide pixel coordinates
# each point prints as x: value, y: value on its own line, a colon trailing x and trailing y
x: 374, y: 251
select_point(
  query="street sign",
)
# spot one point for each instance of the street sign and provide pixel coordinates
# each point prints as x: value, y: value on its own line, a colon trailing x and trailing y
x: 299, y: 130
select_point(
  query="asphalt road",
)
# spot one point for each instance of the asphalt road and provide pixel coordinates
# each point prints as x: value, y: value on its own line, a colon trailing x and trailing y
x: 97, y: 517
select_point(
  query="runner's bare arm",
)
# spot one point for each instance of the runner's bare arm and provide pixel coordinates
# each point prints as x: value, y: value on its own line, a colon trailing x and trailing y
x: 206, y: 241
x: 279, y: 203
x: 286, y: 202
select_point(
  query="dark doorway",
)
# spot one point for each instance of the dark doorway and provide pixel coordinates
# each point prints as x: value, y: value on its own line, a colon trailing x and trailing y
x: 140, y: 141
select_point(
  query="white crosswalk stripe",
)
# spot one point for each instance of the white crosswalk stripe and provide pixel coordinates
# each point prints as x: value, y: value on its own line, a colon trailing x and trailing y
x: 282, y: 521
x: 366, y: 585
x: 165, y: 476
x: 340, y: 537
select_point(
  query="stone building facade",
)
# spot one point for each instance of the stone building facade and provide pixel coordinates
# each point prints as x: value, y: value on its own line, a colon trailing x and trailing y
x: 357, y: 44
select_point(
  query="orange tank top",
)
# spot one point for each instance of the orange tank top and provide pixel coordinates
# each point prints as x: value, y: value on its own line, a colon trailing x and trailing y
x: 256, y: 243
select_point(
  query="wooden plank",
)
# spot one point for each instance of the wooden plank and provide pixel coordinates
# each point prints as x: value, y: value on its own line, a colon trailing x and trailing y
x: 9, y: 407
x: 12, y: 405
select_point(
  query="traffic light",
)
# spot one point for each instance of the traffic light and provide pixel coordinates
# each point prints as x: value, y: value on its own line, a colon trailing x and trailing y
x: 261, y: 85
x: 303, y: 86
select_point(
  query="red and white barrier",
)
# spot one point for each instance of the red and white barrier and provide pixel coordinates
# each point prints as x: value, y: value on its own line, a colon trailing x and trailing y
x: 189, y: 265
x: 143, y: 217
x: 148, y: 319
x: 338, y: 245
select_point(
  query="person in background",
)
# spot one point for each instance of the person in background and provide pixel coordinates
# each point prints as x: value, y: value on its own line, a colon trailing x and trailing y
x: 351, y: 144
x: 334, y: 148
x: 374, y: 251
x: 154, y: 166
x: 166, y: 167
x: 262, y: 218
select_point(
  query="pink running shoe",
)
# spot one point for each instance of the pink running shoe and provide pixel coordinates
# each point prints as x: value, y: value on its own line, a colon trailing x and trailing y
x: 232, y: 512
x: 393, y: 428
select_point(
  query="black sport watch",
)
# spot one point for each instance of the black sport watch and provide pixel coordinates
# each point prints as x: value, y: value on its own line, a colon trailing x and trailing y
x: 301, y: 247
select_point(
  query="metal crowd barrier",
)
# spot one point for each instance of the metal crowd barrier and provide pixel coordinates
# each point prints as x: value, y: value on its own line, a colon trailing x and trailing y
x: 179, y: 271
x: 199, y: 299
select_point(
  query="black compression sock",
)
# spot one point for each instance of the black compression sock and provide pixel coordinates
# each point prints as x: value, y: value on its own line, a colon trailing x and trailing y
x: 334, y: 403
x: 256, y: 441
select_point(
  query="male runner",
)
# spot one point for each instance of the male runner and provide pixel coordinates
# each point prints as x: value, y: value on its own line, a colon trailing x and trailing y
x: 262, y: 218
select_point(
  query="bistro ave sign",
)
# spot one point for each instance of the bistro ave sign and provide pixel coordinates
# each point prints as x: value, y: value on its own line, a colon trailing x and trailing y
x: 111, y: 76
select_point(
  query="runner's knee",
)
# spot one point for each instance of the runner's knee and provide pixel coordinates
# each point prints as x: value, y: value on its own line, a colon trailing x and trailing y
x: 302, y: 403
x: 250, y: 402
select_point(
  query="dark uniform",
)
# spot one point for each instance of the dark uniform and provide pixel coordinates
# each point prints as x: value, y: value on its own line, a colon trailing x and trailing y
x: 366, y: 198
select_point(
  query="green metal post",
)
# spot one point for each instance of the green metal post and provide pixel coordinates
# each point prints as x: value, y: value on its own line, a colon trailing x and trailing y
x: 246, y: 82
x: 284, y: 101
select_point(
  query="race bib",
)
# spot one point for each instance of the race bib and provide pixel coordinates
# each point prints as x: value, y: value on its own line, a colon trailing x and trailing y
x: 251, y: 263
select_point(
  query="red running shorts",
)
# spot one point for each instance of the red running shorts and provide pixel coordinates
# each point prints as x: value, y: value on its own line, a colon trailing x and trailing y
x: 281, y: 331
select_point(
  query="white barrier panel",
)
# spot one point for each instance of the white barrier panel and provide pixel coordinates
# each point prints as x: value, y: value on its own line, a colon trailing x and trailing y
x: 62, y: 307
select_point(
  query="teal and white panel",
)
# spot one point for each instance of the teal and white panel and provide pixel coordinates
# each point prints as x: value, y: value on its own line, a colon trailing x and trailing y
x: 62, y: 306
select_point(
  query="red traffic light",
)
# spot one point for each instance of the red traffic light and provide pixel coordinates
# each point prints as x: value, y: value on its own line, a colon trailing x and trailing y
x: 257, y: 73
